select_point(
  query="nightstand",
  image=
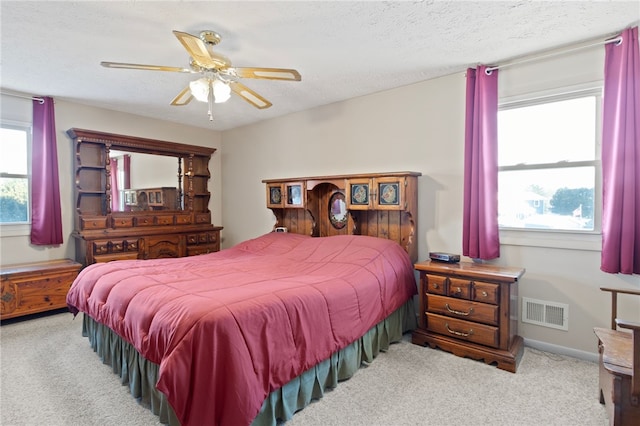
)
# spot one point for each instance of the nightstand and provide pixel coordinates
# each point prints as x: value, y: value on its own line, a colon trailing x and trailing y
x: 470, y: 310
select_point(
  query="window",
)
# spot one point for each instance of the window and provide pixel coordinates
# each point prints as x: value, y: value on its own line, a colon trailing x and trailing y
x: 548, y: 158
x: 14, y: 173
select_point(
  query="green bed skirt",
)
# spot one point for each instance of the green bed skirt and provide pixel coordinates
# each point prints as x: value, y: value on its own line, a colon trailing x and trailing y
x: 141, y: 375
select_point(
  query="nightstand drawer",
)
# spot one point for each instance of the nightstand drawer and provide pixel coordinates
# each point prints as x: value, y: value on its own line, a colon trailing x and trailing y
x: 486, y: 292
x: 436, y: 284
x: 463, y: 309
x: 459, y: 288
x: 463, y: 330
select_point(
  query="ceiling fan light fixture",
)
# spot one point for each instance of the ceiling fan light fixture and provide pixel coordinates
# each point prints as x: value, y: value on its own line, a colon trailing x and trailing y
x: 219, y: 78
x: 200, y: 90
x: 221, y: 91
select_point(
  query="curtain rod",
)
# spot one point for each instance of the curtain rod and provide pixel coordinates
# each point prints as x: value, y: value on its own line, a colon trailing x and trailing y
x: 33, y: 98
x: 616, y: 40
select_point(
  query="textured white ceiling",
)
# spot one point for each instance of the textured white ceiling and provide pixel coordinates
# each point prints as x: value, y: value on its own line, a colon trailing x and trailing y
x: 342, y: 49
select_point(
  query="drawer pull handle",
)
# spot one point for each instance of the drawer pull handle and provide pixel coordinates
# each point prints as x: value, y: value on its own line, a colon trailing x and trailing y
x: 458, y: 290
x: 458, y: 333
x: 484, y: 294
x: 435, y: 286
x: 453, y: 311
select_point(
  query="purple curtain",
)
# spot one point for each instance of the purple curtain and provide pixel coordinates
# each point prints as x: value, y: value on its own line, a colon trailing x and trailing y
x: 115, y: 198
x: 46, y: 216
x: 480, y: 238
x: 621, y: 156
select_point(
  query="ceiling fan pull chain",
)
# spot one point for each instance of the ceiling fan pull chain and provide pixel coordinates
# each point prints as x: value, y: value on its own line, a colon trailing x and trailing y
x: 210, y: 100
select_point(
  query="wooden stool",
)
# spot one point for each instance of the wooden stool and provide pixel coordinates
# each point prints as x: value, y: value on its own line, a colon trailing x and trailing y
x: 619, y: 375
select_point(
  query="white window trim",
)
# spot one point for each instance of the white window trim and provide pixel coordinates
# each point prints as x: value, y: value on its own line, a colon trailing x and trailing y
x: 23, y: 228
x: 15, y: 230
x: 570, y: 240
x: 551, y: 239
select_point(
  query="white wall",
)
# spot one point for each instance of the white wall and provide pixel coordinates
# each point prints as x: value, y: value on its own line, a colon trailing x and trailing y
x: 17, y: 249
x: 416, y: 128
x: 421, y: 128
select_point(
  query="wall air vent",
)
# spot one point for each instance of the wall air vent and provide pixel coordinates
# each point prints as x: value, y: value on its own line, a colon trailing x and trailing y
x: 546, y: 314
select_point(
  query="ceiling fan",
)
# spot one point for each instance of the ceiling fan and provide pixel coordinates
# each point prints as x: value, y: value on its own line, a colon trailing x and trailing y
x: 219, y: 78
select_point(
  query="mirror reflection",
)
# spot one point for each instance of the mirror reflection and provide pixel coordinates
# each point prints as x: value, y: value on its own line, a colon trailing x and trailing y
x: 338, y: 210
x: 145, y: 182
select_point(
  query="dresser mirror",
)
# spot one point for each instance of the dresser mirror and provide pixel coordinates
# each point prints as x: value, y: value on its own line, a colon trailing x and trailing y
x: 146, y: 181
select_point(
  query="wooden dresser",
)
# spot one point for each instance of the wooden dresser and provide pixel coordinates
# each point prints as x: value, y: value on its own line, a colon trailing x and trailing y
x: 172, y: 222
x: 29, y: 288
x: 470, y: 310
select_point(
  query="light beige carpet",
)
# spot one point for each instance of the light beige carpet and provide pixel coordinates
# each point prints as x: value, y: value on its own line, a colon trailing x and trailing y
x: 51, y: 376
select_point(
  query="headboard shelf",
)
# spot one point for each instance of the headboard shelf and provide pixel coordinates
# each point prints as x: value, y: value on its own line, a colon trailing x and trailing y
x: 382, y: 205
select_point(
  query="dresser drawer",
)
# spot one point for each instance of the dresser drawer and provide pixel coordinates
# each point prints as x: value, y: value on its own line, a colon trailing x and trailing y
x: 123, y: 222
x: 115, y: 256
x: 183, y: 219
x: 213, y: 237
x: 202, y: 238
x: 203, y: 218
x: 131, y: 245
x: 100, y: 247
x: 463, y: 309
x: 164, y: 220
x: 93, y: 222
x: 459, y: 288
x: 436, y: 284
x: 103, y: 247
x: 486, y: 292
x: 463, y: 330
x: 144, y: 221
x: 165, y: 246
x: 203, y: 249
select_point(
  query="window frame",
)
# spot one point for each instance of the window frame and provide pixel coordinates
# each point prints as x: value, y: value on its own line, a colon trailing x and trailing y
x: 559, y: 238
x: 14, y: 229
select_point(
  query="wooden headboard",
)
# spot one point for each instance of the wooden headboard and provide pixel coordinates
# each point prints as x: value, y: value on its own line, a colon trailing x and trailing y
x: 383, y: 205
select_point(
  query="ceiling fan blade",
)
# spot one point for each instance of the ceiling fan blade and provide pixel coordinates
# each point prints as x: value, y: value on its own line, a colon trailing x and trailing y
x: 183, y: 98
x: 249, y: 95
x: 267, y: 73
x: 143, y: 67
x: 197, y: 49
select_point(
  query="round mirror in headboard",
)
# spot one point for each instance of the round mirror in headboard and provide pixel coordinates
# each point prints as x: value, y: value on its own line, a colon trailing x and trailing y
x: 337, y: 210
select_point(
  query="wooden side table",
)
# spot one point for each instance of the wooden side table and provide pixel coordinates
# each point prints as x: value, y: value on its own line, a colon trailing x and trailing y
x: 29, y: 288
x: 470, y: 310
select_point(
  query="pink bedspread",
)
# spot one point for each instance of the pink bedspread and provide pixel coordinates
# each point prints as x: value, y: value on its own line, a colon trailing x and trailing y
x: 228, y: 328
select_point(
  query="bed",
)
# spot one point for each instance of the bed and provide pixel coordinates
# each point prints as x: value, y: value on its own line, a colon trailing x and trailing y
x: 252, y: 333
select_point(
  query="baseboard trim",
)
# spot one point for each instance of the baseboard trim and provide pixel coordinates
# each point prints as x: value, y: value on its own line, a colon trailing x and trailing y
x: 562, y: 350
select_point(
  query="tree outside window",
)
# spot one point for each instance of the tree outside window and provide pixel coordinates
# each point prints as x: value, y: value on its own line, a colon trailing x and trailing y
x: 14, y: 174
